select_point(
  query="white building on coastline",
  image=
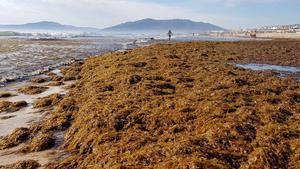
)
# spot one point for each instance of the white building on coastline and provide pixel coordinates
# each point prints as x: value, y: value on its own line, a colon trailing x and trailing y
x: 281, y: 29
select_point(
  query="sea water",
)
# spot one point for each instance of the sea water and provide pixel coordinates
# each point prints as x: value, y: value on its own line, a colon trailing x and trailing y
x: 22, y: 58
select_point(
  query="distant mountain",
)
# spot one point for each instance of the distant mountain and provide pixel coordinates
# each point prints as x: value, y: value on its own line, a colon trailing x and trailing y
x: 47, y: 26
x: 145, y: 25
x: 9, y: 33
x: 180, y: 25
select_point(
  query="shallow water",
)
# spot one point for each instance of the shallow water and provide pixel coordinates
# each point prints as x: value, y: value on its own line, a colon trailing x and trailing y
x: 284, y: 71
x: 22, y: 58
x: 27, y: 116
x: 210, y: 38
x: 263, y: 67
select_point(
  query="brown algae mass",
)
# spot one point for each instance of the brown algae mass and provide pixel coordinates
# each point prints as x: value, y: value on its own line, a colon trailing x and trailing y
x: 6, y: 106
x: 5, y: 95
x: 51, y: 100
x: 40, y: 79
x: 27, y: 164
x: 19, y: 136
x: 32, y: 90
x: 183, y: 106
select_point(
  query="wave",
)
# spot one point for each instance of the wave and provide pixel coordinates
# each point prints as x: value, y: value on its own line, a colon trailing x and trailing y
x: 38, y: 58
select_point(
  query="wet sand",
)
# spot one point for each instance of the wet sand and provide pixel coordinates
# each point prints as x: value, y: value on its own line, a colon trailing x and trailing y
x: 27, y: 117
x: 11, y: 156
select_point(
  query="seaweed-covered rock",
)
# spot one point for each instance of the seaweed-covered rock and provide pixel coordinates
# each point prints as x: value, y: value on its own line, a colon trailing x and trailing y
x: 56, y: 78
x: 39, y: 142
x: 27, y: 164
x: 57, y: 83
x: 40, y: 79
x: 72, y: 72
x: 48, y: 101
x: 5, y: 94
x: 7, y: 117
x: 20, y: 135
x: 32, y: 90
x: 6, y: 106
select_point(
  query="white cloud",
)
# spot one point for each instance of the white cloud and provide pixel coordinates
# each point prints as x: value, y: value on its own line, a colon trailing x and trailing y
x: 84, y: 12
x: 233, y: 3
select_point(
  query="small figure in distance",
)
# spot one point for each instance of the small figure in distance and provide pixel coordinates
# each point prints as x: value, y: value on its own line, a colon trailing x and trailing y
x: 253, y: 34
x: 170, y: 34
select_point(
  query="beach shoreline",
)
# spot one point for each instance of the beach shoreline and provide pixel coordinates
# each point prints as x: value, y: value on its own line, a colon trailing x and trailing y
x: 260, y: 36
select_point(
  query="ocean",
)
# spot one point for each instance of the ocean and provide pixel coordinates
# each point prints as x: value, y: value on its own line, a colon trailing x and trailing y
x: 21, y: 58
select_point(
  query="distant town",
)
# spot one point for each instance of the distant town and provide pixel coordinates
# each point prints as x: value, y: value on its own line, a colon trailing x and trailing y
x: 281, y: 29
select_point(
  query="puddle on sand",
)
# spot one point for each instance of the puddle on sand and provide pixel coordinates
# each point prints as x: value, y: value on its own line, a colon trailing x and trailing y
x: 20, y: 118
x: 27, y: 115
x: 23, y: 118
x: 284, y: 71
x: 262, y: 67
x: 10, y: 156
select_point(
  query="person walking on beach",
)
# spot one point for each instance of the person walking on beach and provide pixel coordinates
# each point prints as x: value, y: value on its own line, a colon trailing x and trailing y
x: 170, y: 34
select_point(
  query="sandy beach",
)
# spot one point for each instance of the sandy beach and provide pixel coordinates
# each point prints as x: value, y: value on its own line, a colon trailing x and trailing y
x: 170, y: 105
x: 259, y: 35
x: 279, y: 35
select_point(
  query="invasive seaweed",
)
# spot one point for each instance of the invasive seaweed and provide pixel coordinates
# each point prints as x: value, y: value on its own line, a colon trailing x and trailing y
x: 182, y: 106
x: 177, y: 106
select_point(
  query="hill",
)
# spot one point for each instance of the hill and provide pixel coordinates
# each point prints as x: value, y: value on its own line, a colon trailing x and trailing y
x: 46, y: 26
x: 163, y: 25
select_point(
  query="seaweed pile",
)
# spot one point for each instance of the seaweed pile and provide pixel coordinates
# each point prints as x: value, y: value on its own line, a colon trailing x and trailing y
x: 179, y: 106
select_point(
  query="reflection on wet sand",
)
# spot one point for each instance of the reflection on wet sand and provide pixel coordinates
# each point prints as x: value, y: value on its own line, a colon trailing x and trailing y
x: 10, y: 121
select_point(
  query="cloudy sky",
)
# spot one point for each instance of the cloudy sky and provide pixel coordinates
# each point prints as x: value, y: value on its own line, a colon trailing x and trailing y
x: 232, y: 14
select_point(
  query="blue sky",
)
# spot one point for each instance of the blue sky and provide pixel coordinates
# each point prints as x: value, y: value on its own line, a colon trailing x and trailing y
x: 232, y: 14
